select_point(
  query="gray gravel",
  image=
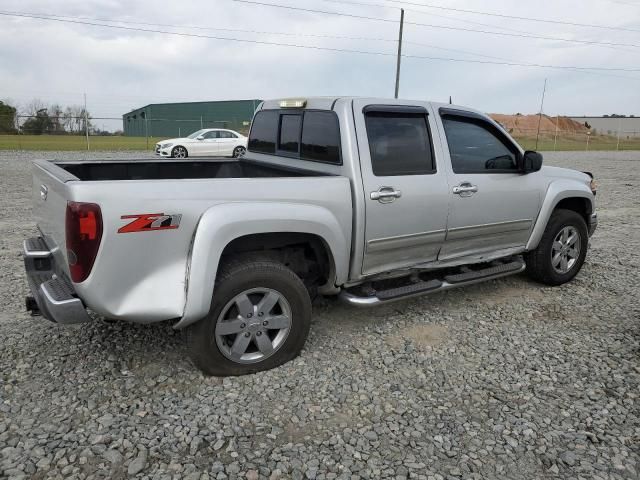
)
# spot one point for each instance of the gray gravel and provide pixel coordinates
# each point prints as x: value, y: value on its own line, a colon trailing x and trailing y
x: 506, y: 379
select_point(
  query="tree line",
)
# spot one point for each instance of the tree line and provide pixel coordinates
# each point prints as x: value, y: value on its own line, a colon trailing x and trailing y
x: 38, y: 118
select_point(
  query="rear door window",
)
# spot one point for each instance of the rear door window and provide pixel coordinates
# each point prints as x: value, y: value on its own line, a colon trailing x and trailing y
x: 399, y: 143
x: 321, y: 137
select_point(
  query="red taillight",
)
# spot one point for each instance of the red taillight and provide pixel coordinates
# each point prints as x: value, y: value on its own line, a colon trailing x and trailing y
x: 83, y: 233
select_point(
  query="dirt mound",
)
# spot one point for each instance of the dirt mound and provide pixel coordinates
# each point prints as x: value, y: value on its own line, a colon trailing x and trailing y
x: 528, y: 124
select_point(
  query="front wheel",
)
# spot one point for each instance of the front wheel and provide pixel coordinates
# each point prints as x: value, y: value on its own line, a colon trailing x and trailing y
x: 259, y: 319
x: 239, y: 152
x: 561, y: 251
x: 179, y: 152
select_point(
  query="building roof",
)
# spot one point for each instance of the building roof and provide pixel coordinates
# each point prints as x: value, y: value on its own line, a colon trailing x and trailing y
x: 202, y: 102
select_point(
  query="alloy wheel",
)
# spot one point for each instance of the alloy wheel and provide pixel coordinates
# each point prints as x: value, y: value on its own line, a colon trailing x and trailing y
x: 253, y: 325
x: 565, y: 250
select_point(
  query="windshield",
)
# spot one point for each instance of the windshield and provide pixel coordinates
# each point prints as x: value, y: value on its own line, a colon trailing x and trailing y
x: 196, y: 134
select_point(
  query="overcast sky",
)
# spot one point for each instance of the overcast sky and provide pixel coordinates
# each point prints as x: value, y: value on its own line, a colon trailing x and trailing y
x: 123, y: 69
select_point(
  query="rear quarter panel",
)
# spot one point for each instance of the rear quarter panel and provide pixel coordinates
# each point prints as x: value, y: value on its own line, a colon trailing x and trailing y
x: 142, y: 276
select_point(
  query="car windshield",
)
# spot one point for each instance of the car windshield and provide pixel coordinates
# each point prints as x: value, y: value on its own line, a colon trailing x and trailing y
x: 196, y: 134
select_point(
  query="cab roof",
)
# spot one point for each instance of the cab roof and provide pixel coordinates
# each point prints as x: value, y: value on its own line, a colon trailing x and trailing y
x: 328, y: 103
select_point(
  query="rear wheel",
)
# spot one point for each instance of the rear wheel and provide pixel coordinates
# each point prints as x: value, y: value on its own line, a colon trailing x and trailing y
x: 239, y: 152
x: 179, y: 152
x: 561, y: 251
x: 259, y: 319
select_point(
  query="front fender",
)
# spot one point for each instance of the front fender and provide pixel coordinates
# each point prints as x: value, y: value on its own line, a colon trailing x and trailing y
x: 226, y: 222
x: 557, y: 191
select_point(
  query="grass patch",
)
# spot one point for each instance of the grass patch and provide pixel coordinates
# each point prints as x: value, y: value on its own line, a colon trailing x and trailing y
x: 71, y: 143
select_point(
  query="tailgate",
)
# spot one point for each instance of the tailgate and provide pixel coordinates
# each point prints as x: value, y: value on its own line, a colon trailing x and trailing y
x: 50, y: 195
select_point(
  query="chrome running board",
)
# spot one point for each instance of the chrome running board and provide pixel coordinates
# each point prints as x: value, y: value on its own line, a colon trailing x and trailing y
x: 423, y: 288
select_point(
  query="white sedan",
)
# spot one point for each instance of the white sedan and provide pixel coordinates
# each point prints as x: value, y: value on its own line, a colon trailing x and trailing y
x: 207, y: 142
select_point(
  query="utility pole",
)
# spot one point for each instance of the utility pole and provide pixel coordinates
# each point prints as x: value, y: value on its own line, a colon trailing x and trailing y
x: 399, y: 52
x: 86, y: 120
x: 544, y: 89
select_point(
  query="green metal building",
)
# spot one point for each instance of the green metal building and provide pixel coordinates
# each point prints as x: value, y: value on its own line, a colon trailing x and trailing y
x: 181, y: 119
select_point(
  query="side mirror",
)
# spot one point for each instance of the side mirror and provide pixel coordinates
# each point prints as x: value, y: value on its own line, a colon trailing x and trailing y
x: 531, y: 161
x: 201, y: 137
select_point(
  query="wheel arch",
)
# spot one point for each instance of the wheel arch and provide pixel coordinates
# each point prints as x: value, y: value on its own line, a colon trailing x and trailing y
x: 565, y: 195
x: 296, y: 250
x: 235, y: 227
x: 580, y: 205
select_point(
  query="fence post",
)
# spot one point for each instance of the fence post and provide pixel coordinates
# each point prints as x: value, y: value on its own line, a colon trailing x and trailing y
x: 588, y: 135
x: 618, y: 140
x: 86, y: 121
x: 555, y: 138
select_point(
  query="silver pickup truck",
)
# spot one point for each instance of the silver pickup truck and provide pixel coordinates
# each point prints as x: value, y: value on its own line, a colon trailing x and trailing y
x: 374, y: 200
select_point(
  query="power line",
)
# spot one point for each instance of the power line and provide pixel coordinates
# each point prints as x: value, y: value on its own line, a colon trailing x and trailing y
x: 422, y: 12
x: 269, y: 32
x: 457, y: 19
x: 315, y: 47
x: 238, y: 30
x: 263, y: 32
x: 489, y: 14
x: 338, y: 37
x: 387, y: 20
x: 197, y: 27
x: 451, y: 18
x: 185, y: 34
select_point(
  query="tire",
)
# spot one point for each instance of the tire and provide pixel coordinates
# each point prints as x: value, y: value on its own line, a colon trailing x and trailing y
x: 211, y: 346
x: 239, y: 152
x: 540, y: 262
x: 179, y: 152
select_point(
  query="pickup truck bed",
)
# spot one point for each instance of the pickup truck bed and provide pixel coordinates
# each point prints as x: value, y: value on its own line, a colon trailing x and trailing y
x: 145, y: 169
x: 197, y: 205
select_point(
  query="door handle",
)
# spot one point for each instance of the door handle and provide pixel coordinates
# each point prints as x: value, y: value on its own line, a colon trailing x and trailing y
x: 465, y: 189
x: 386, y: 194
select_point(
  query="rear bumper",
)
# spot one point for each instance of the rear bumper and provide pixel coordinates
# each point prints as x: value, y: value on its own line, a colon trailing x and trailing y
x: 593, y: 223
x: 53, y: 294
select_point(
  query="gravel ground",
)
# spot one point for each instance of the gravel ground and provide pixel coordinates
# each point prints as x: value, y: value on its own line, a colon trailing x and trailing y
x: 507, y: 379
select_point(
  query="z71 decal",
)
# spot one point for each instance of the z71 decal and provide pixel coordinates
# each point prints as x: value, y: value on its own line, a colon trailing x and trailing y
x: 147, y: 222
